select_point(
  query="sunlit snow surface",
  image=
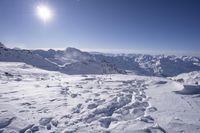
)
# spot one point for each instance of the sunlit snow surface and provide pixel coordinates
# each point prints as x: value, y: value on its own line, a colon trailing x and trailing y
x: 35, y: 100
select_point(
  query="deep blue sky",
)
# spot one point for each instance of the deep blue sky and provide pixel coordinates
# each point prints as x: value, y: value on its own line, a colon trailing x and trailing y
x: 157, y: 25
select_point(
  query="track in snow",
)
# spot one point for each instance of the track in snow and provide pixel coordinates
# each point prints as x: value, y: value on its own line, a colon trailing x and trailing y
x: 34, y: 100
x: 47, y: 102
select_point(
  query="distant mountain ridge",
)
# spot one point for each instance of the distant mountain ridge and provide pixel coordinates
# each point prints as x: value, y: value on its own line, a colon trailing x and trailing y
x: 153, y: 65
x: 70, y: 61
x: 75, y: 61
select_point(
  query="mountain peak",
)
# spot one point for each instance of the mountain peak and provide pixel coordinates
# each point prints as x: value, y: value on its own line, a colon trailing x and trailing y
x: 71, y: 49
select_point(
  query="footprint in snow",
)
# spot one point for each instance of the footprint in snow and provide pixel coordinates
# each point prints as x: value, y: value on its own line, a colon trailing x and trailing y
x: 147, y: 119
x: 74, y: 95
x: 96, y: 94
x: 87, y: 100
x: 105, y: 122
x: 26, y: 129
x: 152, y: 109
x: 92, y: 106
x: 26, y: 104
x: 43, y: 110
x: 137, y: 112
x: 64, y: 91
x: 156, y: 129
x: 77, y: 108
x: 48, y: 122
x: 44, y: 121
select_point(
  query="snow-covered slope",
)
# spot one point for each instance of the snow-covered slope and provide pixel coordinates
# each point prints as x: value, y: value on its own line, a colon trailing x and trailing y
x: 71, y: 61
x: 26, y: 56
x: 35, y: 100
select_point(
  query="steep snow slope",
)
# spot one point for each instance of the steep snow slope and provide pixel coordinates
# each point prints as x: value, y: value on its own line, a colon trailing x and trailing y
x: 72, y: 61
x: 32, y: 100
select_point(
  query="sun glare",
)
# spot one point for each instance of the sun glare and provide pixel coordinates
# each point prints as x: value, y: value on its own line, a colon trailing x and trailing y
x: 44, y: 12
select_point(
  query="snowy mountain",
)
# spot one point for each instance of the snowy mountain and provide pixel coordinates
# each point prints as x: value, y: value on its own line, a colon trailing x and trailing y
x: 74, y: 61
x: 155, y: 65
x: 70, y: 61
x: 26, y: 56
x: 68, y: 56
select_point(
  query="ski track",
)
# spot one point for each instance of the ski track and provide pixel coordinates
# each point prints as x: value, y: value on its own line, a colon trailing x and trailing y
x: 33, y: 100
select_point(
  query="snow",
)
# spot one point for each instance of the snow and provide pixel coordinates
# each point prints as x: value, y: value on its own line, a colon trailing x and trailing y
x: 36, y: 100
x: 177, y: 113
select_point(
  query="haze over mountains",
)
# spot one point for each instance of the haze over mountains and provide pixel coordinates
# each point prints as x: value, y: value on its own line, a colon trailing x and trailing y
x: 74, y: 61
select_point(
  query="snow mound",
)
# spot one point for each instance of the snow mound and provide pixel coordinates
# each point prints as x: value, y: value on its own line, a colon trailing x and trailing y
x: 191, y: 78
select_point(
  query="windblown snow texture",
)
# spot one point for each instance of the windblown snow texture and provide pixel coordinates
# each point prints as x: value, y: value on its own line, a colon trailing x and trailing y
x: 36, y: 100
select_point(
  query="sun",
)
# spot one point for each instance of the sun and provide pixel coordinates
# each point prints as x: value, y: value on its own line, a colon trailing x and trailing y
x: 44, y: 12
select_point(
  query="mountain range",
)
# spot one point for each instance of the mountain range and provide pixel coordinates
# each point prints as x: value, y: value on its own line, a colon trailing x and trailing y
x: 75, y: 61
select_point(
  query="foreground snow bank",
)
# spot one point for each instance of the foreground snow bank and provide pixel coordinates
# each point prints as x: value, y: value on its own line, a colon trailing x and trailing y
x: 33, y: 100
